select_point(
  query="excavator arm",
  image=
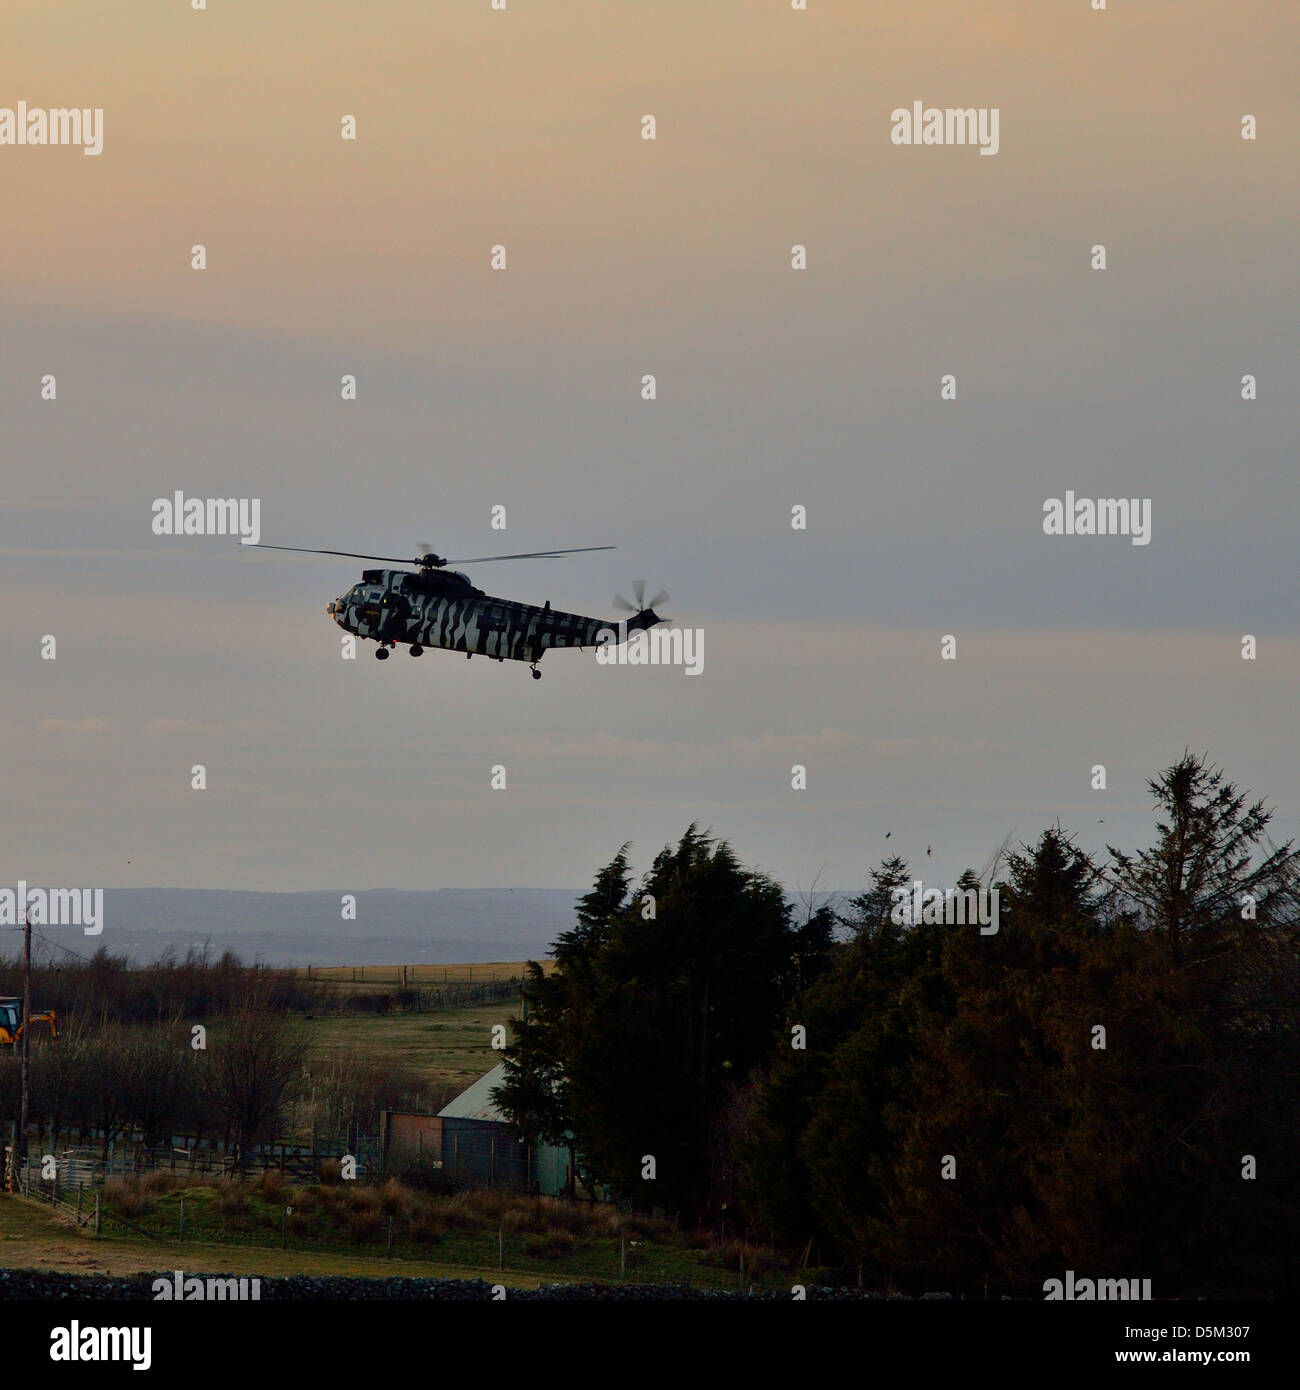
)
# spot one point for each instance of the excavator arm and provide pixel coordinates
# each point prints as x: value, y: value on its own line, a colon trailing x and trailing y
x: 48, y: 1017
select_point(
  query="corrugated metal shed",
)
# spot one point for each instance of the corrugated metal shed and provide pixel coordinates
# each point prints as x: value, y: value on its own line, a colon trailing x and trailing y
x: 478, y: 1145
x: 476, y: 1103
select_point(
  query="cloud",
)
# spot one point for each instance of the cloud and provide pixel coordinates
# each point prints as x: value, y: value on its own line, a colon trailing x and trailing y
x: 827, y: 741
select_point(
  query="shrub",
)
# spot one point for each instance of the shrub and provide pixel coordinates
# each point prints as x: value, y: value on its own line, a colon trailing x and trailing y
x: 364, y: 1201
x: 232, y: 1199
x: 366, y: 1228
x: 425, y: 1229
x: 553, y: 1245
x: 726, y: 1255
x: 123, y: 1197
x: 394, y: 1199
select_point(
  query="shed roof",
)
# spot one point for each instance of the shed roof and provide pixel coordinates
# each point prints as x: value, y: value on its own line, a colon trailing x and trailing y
x: 476, y: 1102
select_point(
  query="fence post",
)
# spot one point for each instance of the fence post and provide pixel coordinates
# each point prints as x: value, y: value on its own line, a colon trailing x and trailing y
x: 99, y: 1212
x: 622, y: 1257
x: 390, y: 1238
x: 284, y: 1228
x: 182, y: 1223
x: 501, y: 1247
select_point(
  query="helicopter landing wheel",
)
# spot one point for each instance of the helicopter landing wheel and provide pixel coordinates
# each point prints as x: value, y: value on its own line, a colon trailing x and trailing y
x: 416, y: 649
x: 537, y: 675
x: 381, y: 653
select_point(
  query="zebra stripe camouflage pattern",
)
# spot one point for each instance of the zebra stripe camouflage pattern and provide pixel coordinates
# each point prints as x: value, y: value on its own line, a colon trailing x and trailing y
x: 443, y: 609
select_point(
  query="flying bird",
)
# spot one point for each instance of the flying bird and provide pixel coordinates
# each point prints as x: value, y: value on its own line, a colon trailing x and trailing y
x: 927, y: 849
x: 888, y: 833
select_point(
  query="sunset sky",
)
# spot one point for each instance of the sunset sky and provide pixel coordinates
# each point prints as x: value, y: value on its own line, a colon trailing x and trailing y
x: 522, y: 388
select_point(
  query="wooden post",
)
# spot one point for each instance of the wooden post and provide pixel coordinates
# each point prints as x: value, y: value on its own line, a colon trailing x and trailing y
x: 182, y: 1222
x: 24, y: 1052
x: 501, y: 1247
x: 284, y: 1228
x: 622, y: 1257
x: 99, y: 1212
x: 390, y: 1238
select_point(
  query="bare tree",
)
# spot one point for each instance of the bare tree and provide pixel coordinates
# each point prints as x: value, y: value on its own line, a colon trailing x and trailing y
x: 252, y: 1064
x: 103, y: 1071
x: 159, y: 1080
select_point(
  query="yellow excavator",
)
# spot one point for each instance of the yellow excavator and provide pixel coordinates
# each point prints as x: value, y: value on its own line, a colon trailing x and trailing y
x: 12, y: 1021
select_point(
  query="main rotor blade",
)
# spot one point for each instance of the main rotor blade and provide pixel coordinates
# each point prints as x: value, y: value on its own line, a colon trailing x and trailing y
x: 349, y: 554
x: 532, y: 555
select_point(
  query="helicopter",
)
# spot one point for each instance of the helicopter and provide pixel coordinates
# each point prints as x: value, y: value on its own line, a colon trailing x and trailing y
x: 437, y: 606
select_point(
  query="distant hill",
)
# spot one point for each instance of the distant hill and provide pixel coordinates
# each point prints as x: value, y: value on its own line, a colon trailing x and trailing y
x: 392, y: 928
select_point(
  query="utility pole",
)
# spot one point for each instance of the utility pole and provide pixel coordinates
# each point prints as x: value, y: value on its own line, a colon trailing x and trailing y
x: 20, y: 1148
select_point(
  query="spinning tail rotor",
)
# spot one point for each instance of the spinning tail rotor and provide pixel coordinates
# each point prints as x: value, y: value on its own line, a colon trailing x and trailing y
x: 643, y: 614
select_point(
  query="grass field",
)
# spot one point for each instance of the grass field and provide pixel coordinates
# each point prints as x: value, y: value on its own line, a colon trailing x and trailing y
x: 446, y: 1048
x: 347, y: 978
x: 33, y: 1238
x: 243, y: 1227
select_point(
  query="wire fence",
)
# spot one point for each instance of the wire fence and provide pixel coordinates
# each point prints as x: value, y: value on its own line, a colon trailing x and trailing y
x: 407, y: 976
x: 407, y: 999
x: 373, y: 1236
x: 88, y: 1166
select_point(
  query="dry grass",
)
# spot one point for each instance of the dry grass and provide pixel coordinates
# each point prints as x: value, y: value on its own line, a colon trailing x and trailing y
x: 426, y: 1229
x: 366, y: 1228
x: 123, y: 1196
x: 366, y: 1215
x: 232, y: 1197
x: 32, y: 1237
x: 272, y: 1186
x: 395, y: 1199
x: 554, y: 1245
x: 726, y: 1254
x: 159, y: 1183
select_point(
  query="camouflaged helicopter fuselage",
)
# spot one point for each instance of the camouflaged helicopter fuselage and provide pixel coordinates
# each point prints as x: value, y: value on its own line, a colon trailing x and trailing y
x: 444, y: 610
